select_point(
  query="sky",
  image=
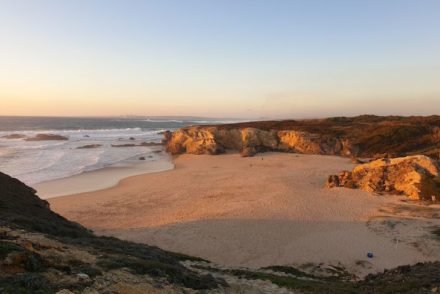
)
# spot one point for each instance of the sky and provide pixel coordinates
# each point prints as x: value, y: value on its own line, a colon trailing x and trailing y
x: 223, y: 58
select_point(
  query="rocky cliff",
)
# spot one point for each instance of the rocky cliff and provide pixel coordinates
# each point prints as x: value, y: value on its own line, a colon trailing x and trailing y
x: 365, y: 136
x: 249, y: 141
x: 414, y: 176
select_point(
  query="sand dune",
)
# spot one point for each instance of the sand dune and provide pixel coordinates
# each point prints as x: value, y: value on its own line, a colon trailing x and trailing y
x: 260, y: 211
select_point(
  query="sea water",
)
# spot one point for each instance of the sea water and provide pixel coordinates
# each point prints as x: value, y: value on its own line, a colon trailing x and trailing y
x: 35, y: 162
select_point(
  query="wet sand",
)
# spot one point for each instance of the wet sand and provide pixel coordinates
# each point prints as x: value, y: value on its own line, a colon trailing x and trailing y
x: 100, y: 179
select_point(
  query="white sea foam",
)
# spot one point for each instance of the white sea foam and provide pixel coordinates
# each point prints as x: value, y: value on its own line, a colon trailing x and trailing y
x: 56, y: 131
x: 39, y: 161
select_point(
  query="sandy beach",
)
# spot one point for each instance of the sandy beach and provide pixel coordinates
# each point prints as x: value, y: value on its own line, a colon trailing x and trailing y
x: 272, y: 209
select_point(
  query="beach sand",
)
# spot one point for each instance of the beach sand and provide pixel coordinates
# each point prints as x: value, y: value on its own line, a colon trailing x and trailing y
x: 271, y: 209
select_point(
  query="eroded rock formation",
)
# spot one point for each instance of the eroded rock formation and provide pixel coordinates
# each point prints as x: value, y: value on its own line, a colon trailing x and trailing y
x: 249, y: 141
x: 193, y: 140
x: 363, y: 136
x: 414, y: 176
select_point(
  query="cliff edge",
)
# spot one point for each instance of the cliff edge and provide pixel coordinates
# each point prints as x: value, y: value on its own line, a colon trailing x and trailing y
x: 363, y: 136
x: 416, y: 177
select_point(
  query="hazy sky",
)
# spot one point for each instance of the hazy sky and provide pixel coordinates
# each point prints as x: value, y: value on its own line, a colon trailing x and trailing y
x: 222, y: 58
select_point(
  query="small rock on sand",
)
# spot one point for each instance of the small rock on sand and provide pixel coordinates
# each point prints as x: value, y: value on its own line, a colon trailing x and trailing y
x: 91, y: 146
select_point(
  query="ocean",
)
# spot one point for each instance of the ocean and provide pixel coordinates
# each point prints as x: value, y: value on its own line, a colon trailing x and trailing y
x: 36, y: 162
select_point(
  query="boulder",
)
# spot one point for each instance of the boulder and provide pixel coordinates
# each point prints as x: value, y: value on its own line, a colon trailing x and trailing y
x: 416, y: 176
x: 47, y: 137
x: 14, y: 136
x: 248, y: 152
x: 123, y: 145
x: 167, y: 135
x: 90, y: 146
x: 332, y: 181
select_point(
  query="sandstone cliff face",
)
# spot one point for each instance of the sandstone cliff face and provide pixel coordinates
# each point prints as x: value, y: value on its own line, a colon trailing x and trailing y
x: 414, y: 176
x: 364, y: 136
x: 193, y: 141
x: 309, y: 143
x: 249, y: 141
x: 255, y: 140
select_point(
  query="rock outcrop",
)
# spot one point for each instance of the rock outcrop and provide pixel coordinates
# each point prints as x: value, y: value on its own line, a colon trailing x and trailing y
x: 363, y: 136
x: 90, y: 146
x: 14, y: 136
x: 47, y: 137
x: 193, y: 140
x: 249, y: 141
x: 414, y: 176
x: 311, y: 143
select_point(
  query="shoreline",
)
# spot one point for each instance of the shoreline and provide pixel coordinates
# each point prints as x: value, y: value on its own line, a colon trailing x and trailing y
x: 101, y: 179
